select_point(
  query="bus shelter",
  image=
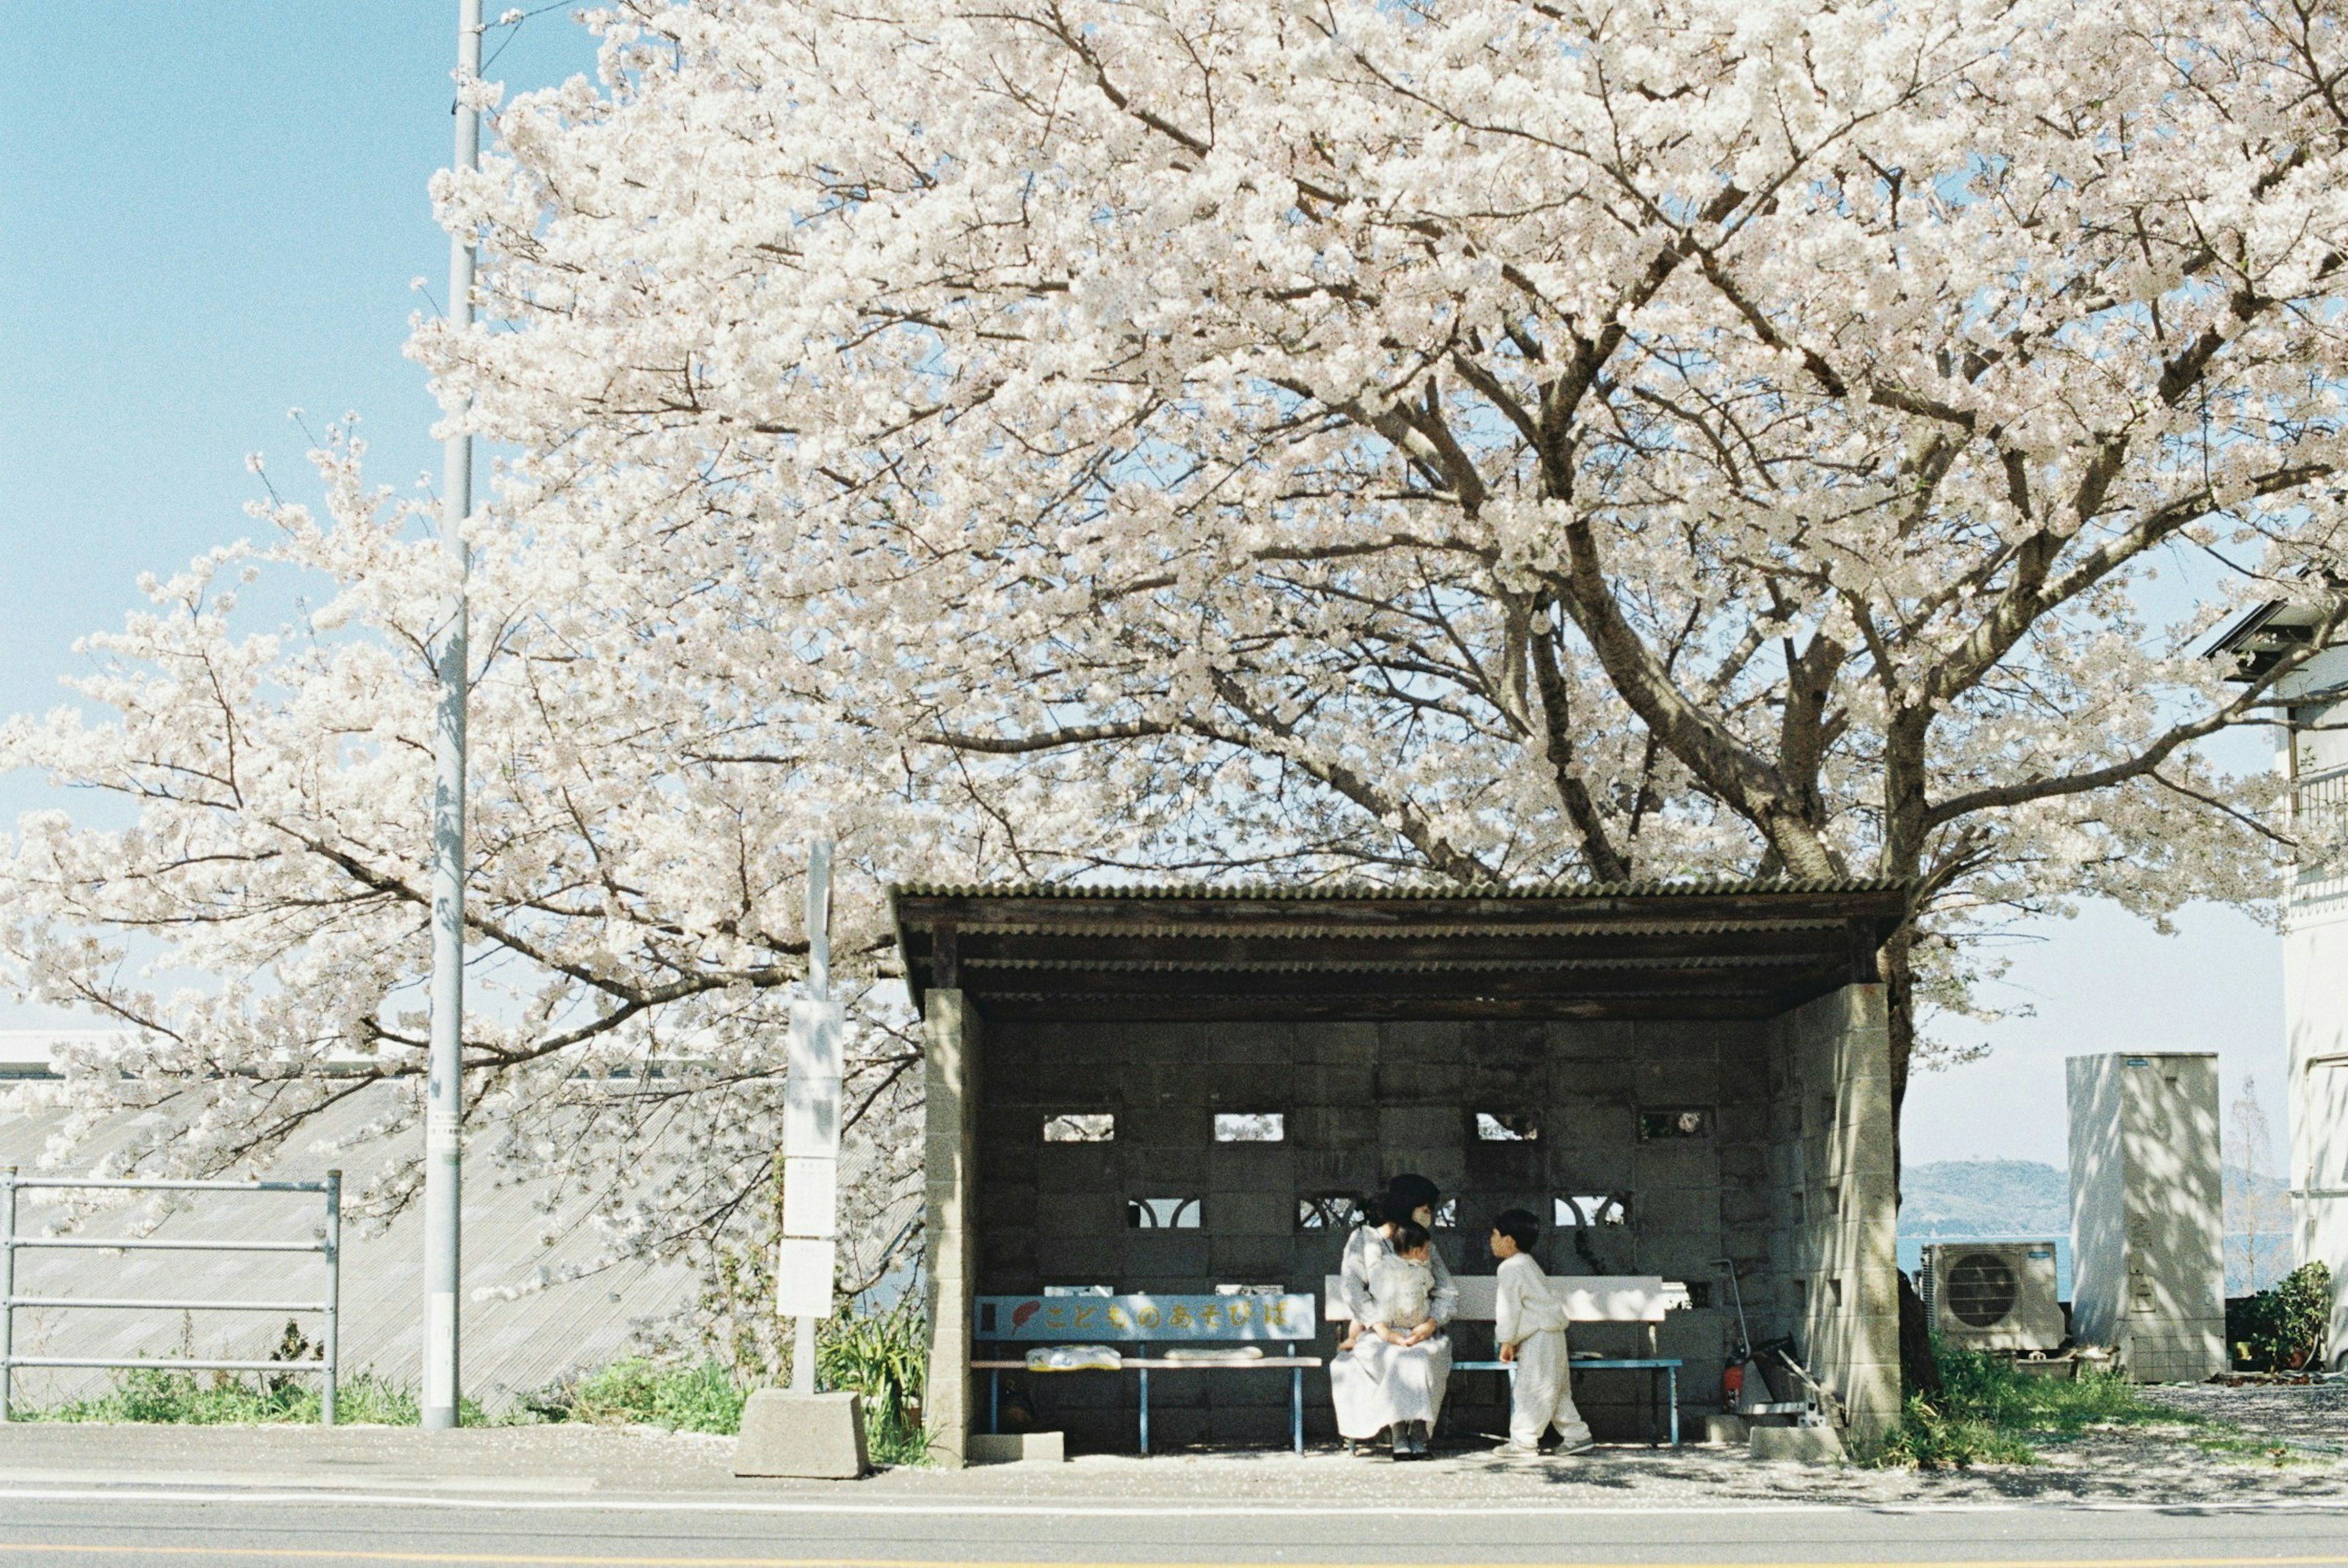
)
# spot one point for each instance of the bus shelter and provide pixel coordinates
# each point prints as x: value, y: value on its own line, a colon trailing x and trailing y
x: 1186, y: 1092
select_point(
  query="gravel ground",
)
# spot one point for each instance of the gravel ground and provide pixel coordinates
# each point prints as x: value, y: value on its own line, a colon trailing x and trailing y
x: 2229, y: 1445
x: 2313, y: 1415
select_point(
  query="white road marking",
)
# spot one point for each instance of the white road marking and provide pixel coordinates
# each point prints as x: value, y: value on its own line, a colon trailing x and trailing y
x: 948, y: 1508
x: 574, y: 1560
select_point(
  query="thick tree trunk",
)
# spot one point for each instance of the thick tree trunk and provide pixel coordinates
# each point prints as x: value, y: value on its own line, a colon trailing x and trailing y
x: 1899, y: 1006
x: 1919, y: 1374
x: 1905, y: 817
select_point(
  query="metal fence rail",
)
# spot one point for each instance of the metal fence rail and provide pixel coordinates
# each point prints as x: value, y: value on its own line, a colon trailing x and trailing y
x: 330, y: 1246
x: 2319, y: 807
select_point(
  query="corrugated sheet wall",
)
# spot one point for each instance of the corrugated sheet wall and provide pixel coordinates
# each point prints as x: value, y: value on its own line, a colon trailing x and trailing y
x: 510, y: 1347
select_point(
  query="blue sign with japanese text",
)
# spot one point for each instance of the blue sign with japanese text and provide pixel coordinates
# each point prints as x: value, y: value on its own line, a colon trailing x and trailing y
x: 1138, y: 1317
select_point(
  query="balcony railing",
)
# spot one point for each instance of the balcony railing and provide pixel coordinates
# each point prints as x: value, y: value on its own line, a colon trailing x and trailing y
x: 2318, y: 815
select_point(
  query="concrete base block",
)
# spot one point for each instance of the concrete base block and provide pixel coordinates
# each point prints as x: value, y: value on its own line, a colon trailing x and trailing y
x: 1798, y: 1445
x: 813, y: 1436
x: 1726, y: 1429
x: 1017, y: 1448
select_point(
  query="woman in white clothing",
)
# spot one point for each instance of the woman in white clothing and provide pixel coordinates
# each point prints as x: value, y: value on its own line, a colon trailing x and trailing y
x: 1380, y: 1386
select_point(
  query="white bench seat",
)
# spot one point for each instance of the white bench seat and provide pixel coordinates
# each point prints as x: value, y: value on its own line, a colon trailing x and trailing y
x: 1588, y: 1297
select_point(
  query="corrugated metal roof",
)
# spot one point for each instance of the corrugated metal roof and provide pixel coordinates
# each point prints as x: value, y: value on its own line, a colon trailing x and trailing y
x: 1352, y: 951
x: 1436, y: 893
x: 1359, y: 966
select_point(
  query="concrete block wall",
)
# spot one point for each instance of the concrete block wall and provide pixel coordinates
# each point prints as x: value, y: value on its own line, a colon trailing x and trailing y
x: 1363, y: 1102
x: 2148, y: 1262
x: 953, y: 1035
x: 1833, y: 1274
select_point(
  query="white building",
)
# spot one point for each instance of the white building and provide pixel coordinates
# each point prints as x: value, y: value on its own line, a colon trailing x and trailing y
x: 2313, y: 755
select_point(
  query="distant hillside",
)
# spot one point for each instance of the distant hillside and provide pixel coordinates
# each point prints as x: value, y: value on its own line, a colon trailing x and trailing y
x: 1984, y: 1197
x: 2023, y: 1197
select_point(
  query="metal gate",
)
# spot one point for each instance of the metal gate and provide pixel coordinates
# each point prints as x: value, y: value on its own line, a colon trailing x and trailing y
x: 330, y: 1246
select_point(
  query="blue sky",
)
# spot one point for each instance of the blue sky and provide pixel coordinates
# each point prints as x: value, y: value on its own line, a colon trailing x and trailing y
x: 210, y: 214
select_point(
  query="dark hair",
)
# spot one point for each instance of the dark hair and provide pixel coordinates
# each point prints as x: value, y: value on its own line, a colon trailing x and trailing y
x: 1409, y: 1235
x: 1518, y: 1225
x: 1406, y: 1195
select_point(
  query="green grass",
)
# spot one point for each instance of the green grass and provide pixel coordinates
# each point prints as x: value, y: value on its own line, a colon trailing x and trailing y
x: 706, y: 1397
x: 1990, y: 1414
x: 884, y: 1356
x: 2264, y: 1450
x: 703, y: 1398
x: 190, y: 1398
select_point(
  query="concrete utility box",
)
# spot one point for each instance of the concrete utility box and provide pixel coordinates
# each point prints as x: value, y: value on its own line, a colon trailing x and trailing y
x: 2147, y: 1251
x: 1181, y: 1090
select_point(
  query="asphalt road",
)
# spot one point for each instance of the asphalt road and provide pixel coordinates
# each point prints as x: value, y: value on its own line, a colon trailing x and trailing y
x: 104, y: 1527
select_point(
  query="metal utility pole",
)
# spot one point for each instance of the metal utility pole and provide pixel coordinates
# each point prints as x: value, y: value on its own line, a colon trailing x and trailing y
x: 819, y: 985
x: 443, y: 1105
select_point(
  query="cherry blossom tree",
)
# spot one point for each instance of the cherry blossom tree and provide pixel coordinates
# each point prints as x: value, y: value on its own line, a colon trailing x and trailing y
x: 251, y: 924
x: 1468, y: 442
x: 1487, y: 441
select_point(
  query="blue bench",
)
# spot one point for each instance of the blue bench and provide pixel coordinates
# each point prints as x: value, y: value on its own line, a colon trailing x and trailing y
x: 1142, y: 1321
x: 1668, y: 1366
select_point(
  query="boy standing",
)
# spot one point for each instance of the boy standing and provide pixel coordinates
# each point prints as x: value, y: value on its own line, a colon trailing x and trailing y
x: 1530, y: 1325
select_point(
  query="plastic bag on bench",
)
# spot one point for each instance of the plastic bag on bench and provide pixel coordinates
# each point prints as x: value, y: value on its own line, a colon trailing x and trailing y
x: 1074, y: 1358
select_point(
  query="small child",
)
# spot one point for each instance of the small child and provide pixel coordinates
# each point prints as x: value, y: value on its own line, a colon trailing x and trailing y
x: 1402, y: 1286
x: 1529, y: 1322
x: 1402, y: 1290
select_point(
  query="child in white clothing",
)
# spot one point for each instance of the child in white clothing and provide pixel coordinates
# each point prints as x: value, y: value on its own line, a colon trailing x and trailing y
x: 1402, y: 1290
x: 1529, y: 1322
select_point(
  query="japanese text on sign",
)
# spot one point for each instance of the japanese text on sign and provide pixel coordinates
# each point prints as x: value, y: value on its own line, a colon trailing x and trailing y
x: 1131, y: 1318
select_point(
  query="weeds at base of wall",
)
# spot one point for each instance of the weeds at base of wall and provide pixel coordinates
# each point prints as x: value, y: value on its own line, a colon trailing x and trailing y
x: 1990, y: 1414
x: 682, y: 1398
x: 703, y: 1398
x: 185, y: 1399
x: 884, y: 1356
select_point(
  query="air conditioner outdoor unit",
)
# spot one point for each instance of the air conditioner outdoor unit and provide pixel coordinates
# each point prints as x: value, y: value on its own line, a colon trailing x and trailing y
x: 1993, y: 1294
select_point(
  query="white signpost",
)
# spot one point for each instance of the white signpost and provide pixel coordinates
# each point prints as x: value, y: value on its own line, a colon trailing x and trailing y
x: 803, y: 1433
x: 806, y: 1262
